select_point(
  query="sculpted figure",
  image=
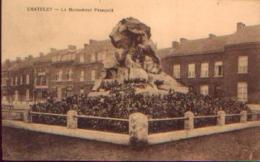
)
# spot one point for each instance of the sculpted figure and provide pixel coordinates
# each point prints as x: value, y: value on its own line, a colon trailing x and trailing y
x: 132, y: 38
x: 136, y: 61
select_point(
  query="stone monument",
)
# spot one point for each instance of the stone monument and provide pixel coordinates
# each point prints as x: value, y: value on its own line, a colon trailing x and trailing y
x: 135, y: 63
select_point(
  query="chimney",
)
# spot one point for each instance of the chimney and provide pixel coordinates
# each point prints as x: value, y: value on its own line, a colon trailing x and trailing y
x: 72, y: 47
x: 18, y: 59
x: 175, y: 44
x: 240, y: 26
x: 53, y: 49
x: 7, y: 62
x: 41, y: 54
x: 30, y: 57
x: 91, y: 41
x: 85, y: 45
x: 182, y: 40
x: 212, y: 35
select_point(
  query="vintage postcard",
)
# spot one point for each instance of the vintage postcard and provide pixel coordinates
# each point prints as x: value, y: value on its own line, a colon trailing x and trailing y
x: 130, y: 80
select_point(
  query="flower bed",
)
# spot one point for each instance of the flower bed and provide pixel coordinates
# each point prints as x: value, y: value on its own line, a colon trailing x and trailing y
x: 120, y: 105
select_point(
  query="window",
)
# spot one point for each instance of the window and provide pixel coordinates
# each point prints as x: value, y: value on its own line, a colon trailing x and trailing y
x: 21, y: 80
x: 60, y: 75
x: 70, y: 74
x: 92, y: 58
x: 81, y: 91
x: 82, y: 77
x: 81, y: 58
x: 59, y: 93
x: 11, y: 81
x: 204, y: 90
x: 27, y: 95
x: 191, y: 71
x: 176, y: 71
x: 101, y: 56
x: 16, y: 96
x: 93, y: 75
x: 44, y: 81
x: 16, y: 80
x: 38, y: 80
x: 218, y: 69
x: 242, y: 64
x: 57, y: 76
x: 242, y: 93
x: 27, y: 79
x: 204, y: 71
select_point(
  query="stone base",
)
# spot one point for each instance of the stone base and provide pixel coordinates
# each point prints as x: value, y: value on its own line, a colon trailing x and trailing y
x: 146, y: 90
x: 143, y: 83
x: 167, y: 83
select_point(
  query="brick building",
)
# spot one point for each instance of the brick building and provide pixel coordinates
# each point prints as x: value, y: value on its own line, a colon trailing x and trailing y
x: 90, y: 63
x: 4, y: 81
x: 74, y: 71
x: 21, y: 80
x: 42, y: 72
x: 226, y: 65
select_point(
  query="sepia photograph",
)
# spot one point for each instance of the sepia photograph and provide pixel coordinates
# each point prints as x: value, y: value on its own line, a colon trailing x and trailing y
x: 132, y: 80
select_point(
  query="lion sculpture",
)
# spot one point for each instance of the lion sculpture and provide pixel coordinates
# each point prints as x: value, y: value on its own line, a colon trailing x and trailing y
x: 136, y: 59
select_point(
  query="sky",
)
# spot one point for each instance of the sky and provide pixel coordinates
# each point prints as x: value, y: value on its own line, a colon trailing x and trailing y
x: 27, y: 32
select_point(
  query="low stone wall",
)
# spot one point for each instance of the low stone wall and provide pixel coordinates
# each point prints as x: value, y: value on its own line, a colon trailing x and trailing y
x: 138, y: 127
x: 124, y: 139
x: 159, y: 138
x: 116, y: 138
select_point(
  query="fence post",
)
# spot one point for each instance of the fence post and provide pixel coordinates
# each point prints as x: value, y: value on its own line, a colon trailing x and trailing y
x: 243, y: 116
x: 138, y: 129
x: 72, y: 120
x: 27, y: 117
x: 189, y: 123
x: 221, y: 118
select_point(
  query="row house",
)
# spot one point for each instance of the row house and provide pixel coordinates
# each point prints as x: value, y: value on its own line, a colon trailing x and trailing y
x: 226, y: 65
x: 41, y: 77
x: 4, y: 81
x: 59, y: 73
x: 20, y: 82
x: 90, y: 64
x: 218, y: 65
x: 74, y: 71
x: 62, y: 71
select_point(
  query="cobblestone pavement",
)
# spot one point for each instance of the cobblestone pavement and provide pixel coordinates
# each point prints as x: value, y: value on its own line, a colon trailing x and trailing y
x: 25, y: 145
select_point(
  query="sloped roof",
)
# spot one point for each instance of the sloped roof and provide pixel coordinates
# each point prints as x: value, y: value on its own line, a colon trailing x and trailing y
x: 247, y: 34
x: 45, y: 58
x: 22, y: 64
x: 163, y: 52
x: 199, y: 46
x: 99, y: 45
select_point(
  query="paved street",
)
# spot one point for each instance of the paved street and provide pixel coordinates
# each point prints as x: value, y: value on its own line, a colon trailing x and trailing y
x: 26, y: 145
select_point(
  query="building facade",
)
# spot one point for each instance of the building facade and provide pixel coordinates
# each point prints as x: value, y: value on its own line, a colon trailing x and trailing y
x: 4, y: 81
x: 219, y: 65
x: 21, y: 80
x: 226, y: 66
x: 42, y: 72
